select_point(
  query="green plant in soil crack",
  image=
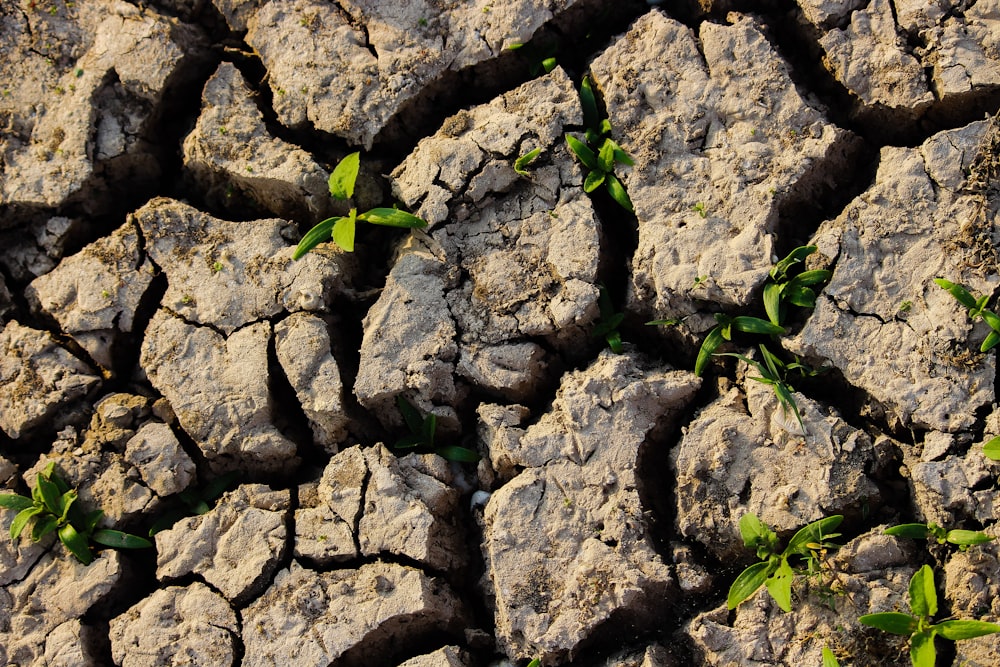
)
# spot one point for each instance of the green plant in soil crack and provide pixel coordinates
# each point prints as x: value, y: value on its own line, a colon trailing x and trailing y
x: 422, y: 432
x: 977, y: 308
x: 775, y: 570
x: 600, y: 153
x: 341, y: 229
x: 786, y: 286
x: 196, y: 501
x: 918, y: 624
x: 607, y: 325
x: 774, y: 372
x: 963, y: 539
x: 53, y: 507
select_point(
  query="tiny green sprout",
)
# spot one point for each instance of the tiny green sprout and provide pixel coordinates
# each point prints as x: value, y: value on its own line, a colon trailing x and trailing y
x: 422, y: 22
x: 223, y: 130
x: 105, y: 294
x: 699, y: 207
x: 422, y: 431
x: 607, y: 325
x: 774, y: 372
x: 187, y: 299
x: 699, y: 281
x: 540, y: 59
x: 60, y: 90
x: 775, y: 571
x: 723, y: 331
x: 53, y: 10
x: 341, y: 229
x: 78, y: 72
x: 829, y: 659
x: 963, y: 539
x: 977, y: 308
x: 195, y: 501
x: 53, y: 508
x: 217, y: 267
x: 906, y: 306
x: 785, y: 286
x: 918, y: 624
x: 526, y: 159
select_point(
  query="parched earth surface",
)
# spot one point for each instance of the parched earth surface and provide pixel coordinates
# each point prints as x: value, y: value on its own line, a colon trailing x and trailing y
x: 160, y: 160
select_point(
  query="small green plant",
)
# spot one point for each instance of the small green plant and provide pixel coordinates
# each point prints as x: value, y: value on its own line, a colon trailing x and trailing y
x: 963, y: 539
x: 906, y: 306
x: 784, y: 286
x: 341, y: 229
x: 607, y: 325
x: 918, y: 626
x: 53, y: 507
x: 699, y: 208
x: 774, y: 372
x: 723, y: 331
x: 775, y: 571
x: 699, y: 281
x: 526, y: 159
x: 195, y: 501
x: 216, y: 267
x: 600, y: 153
x: 422, y: 431
x: 977, y: 308
x: 540, y: 59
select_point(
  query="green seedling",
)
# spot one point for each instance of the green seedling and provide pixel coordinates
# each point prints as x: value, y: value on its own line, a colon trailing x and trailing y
x: 526, y: 159
x: 600, y: 153
x: 918, y: 626
x: 775, y: 571
x: 341, y: 229
x: 723, y: 331
x: 196, y: 502
x: 963, y: 539
x: 540, y: 59
x: 699, y: 208
x: 977, y: 308
x: 422, y: 431
x: 607, y: 325
x: 53, y: 507
x: 774, y: 372
x: 785, y: 286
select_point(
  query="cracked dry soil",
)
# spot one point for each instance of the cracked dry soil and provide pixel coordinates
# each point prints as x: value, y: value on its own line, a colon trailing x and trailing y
x: 159, y: 161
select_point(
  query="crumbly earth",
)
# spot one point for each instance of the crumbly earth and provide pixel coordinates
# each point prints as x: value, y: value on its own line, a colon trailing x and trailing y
x: 161, y: 348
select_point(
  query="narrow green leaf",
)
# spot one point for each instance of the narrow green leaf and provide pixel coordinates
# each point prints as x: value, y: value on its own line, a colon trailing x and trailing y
x: 22, y: 519
x: 992, y: 449
x: 780, y: 270
x: 43, y: 526
x: 604, y: 327
x: 923, y: 595
x: 606, y: 156
x: 991, y: 319
x: 813, y: 277
x: 991, y: 340
x: 13, y: 501
x: 526, y: 159
x: 409, y: 442
x: 958, y: 630
x: 957, y: 291
x: 618, y: 193
x: 319, y: 233
x: 922, y: 651
x: 76, y: 543
x: 582, y: 152
x: 893, y: 622
x: 535, y: 663
x: 120, y: 540
x: 620, y: 154
x: 772, y: 303
x: 816, y: 531
x: 549, y: 64
x: 799, y: 295
x: 708, y: 347
x: 670, y: 322
x: 429, y: 428
x: 343, y: 233
x: 414, y: 421
x: 593, y: 180
x: 459, y: 454
x: 588, y: 101
x: 604, y: 126
x: 344, y: 176
x: 968, y: 537
x: 914, y: 531
x: 779, y: 585
x: 829, y: 659
x: 747, y: 583
x: 392, y: 217
x: 755, y: 325
x: 66, y: 501
x: 614, y: 339
x: 91, y: 520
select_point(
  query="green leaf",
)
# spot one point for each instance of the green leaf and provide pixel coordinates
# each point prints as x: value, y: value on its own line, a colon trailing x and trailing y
x: 914, y: 531
x: 813, y: 277
x: 604, y: 327
x: 991, y: 319
x: 91, y: 520
x: 747, y: 583
x: 392, y: 217
x: 708, y: 347
x: 893, y: 622
x: 755, y: 325
x: 411, y: 441
x: 780, y: 270
x: 604, y: 126
x: 779, y: 585
x: 582, y: 152
x: 13, y: 501
x: 614, y: 339
x: 620, y: 154
x: 319, y: 233
x: 923, y: 595
x: 799, y: 295
x: 414, y: 421
x: 772, y: 303
x: 670, y: 322
x: 957, y: 291
x: 968, y: 537
x: 588, y: 101
x: 526, y: 159
x: 459, y: 454
x: 76, y: 543
x: 50, y: 494
x: 606, y: 156
x: 344, y: 176
x: 535, y: 663
x: 922, y: 652
x: 753, y: 530
x: 593, y: 180
x: 66, y: 502
x: 618, y: 193
x: 549, y: 64
x: 992, y: 449
x: 22, y: 519
x: 958, y: 630
x: 120, y: 540
x: 991, y: 340
x: 428, y: 429
x: 816, y: 531
x: 829, y: 659
x: 343, y: 233
x: 43, y: 526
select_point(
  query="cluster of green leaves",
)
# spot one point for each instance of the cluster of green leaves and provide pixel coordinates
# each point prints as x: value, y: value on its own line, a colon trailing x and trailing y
x: 787, y: 285
x: 422, y: 432
x: 195, y: 501
x: 775, y: 571
x: 774, y: 372
x: 977, y: 308
x: 607, y: 325
x: 600, y: 153
x: 53, y: 507
x: 918, y: 625
x: 963, y: 539
x: 341, y: 228
x: 723, y: 331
